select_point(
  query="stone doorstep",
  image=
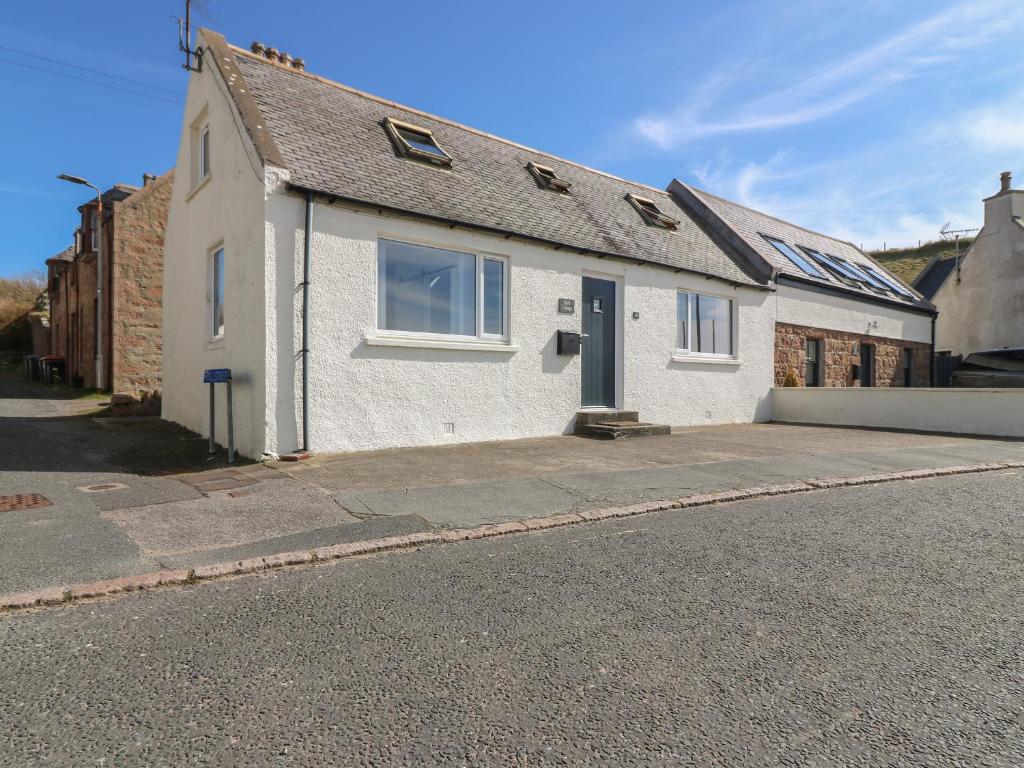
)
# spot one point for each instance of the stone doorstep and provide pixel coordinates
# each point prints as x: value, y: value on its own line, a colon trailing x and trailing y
x: 617, y: 430
x: 56, y: 595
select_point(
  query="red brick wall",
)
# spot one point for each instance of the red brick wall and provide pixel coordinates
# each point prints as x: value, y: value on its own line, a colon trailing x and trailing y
x: 838, y: 357
x: 137, y: 292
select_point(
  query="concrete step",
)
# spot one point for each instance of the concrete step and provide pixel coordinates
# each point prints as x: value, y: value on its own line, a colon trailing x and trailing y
x: 616, y: 430
x: 583, y: 418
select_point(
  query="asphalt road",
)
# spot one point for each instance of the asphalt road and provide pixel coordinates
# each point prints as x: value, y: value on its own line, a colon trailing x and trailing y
x: 867, y: 626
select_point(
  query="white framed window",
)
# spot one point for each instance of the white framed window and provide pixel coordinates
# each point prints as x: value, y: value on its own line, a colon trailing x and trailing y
x: 94, y: 230
x: 200, y: 150
x: 204, y: 152
x: 216, y: 278
x: 705, y: 325
x: 440, y: 293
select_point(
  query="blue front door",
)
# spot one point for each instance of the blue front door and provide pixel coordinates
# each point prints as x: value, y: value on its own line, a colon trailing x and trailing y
x: 598, y: 348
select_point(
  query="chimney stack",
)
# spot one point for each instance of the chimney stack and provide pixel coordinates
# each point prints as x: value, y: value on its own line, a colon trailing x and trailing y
x: 278, y: 57
x: 1004, y: 181
x: 147, y: 179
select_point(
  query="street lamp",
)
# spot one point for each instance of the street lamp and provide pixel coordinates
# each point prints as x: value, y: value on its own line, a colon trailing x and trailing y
x: 100, y: 368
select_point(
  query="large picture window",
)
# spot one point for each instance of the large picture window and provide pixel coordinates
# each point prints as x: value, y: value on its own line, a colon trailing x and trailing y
x: 704, y: 324
x: 425, y: 290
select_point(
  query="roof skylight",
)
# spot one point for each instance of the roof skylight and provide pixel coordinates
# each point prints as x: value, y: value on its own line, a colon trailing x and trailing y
x: 800, y: 261
x: 651, y: 213
x: 546, y: 177
x: 891, y: 282
x: 838, y: 269
x: 416, y: 142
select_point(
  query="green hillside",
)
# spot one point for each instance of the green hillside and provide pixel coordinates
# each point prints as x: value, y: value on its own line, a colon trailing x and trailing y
x: 906, y: 263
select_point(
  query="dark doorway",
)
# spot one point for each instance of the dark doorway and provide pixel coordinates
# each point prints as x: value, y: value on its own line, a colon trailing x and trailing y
x: 812, y: 371
x: 867, y: 365
x: 598, y: 349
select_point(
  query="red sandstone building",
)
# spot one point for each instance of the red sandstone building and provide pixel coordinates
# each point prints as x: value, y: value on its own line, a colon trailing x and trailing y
x: 134, y: 220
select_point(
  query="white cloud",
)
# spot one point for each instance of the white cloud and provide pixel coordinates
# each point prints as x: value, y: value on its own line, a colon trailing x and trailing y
x: 837, y: 85
x: 995, y: 128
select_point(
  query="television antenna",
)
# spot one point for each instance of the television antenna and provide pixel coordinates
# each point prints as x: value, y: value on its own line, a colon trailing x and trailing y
x: 946, y: 233
x: 193, y: 56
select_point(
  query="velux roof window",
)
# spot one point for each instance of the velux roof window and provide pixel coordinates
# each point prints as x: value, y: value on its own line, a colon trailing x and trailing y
x: 805, y: 265
x: 415, y: 142
x: 651, y: 213
x: 890, y: 282
x: 546, y: 178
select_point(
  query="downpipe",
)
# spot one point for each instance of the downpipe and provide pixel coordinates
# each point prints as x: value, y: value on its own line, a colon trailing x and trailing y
x: 306, y: 258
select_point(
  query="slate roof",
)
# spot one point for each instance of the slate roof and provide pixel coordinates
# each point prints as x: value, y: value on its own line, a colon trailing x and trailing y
x: 749, y: 225
x: 931, y: 278
x: 331, y: 140
x: 68, y: 254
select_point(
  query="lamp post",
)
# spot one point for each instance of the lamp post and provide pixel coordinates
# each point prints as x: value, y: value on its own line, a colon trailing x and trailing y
x: 100, y: 368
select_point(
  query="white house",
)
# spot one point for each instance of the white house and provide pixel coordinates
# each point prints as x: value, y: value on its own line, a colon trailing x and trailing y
x: 375, y: 277
x: 981, y: 295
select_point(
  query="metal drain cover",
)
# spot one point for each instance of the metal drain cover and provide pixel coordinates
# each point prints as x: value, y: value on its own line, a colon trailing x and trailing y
x: 99, y: 487
x: 23, y: 501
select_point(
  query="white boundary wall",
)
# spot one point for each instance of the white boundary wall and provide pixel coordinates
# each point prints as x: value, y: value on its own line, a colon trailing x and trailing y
x: 968, y: 411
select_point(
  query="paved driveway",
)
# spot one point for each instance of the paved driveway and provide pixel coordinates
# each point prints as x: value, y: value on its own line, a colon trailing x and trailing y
x: 163, y: 503
x: 857, y: 627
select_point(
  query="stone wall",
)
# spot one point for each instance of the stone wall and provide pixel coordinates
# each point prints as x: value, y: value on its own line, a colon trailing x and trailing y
x: 137, y: 293
x: 838, y: 357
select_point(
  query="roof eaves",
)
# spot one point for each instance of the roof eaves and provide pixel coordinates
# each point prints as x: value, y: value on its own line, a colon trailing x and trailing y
x: 222, y: 56
x: 333, y: 197
x: 920, y: 305
x: 719, y: 231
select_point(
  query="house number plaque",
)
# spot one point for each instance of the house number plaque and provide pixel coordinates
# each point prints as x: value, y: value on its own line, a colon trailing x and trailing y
x: 567, y: 306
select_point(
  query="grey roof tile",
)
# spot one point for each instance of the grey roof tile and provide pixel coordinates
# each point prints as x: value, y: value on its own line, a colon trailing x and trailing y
x: 332, y: 140
x: 750, y: 225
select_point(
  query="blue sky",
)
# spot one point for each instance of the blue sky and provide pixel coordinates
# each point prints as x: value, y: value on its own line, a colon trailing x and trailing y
x: 867, y: 119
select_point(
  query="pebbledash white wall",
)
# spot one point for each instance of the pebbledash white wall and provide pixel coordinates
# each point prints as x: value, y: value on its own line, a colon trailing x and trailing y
x: 968, y: 411
x: 364, y: 395
x: 837, y: 313
x: 225, y: 210
x: 368, y: 396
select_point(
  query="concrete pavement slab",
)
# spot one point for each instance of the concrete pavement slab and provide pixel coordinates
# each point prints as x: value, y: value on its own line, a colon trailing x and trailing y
x: 467, y: 504
x: 220, y: 521
x: 361, y: 530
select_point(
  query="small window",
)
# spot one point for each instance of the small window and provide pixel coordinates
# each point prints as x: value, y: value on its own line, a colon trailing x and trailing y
x: 908, y: 367
x: 704, y: 324
x: 812, y: 369
x: 94, y: 231
x: 413, y: 141
x: 494, y: 297
x: 204, y: 153
x: 217, y: 293
x: 425, y: 290
x: 801, y: 262
x: 199, y: 149
x: 834, y: 266
x: 546, y: 178
x: 651, y: 213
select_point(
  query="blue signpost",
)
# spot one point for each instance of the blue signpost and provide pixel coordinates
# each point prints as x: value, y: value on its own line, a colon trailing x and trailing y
x: 213, y: 376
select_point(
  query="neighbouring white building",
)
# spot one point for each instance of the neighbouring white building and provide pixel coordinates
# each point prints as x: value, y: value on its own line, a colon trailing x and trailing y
x: 980, y: 296
x: 376, y: 277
